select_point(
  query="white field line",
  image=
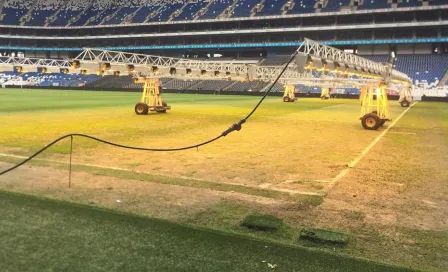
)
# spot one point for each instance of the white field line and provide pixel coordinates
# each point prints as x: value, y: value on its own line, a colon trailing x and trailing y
x: 333, y: 106
x: 293, y: 192
x: 332, y: 183
x: 352, y: 164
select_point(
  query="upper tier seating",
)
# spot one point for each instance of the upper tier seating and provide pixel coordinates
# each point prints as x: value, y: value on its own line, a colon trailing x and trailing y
x: 428, y: 68
x: 111, y: 12
x: 272, y: 7
x: 244, y: 7
x: 374, y: 4
x: 189, y: 11
x: 216, y: 8
x: 303, y: 6
x: 335, y: 5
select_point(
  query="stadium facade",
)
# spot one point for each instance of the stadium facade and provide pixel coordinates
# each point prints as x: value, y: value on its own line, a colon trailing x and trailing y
x: 417, y: 31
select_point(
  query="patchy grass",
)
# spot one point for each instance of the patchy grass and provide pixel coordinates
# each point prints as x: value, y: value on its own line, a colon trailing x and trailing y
x: 47, y: 235
x: 267, y: 149
x: 302, y: 141
x: 202, y: 184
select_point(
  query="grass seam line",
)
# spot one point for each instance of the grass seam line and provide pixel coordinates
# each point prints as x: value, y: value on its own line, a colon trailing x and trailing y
x: 261, y: 192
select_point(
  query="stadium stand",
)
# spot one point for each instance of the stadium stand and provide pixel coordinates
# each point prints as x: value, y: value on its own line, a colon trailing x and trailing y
x: 244, y: 8
x: 108, y: 12
x: 271, y: 7
x: 212, y: 85
x: 41, y: 79
x: 164, y: 13
x: 374, y: 4
x: 66, y: 13
x: 301, y: 7
x: 254, y: 86
x: 420, y: 67
x: 335, y: 5
x: 14, y: 10
x: 215, y: 9
x: 141, y: 15
x: 42, y: 10
x: 189, y: 11
x: 426, y: 70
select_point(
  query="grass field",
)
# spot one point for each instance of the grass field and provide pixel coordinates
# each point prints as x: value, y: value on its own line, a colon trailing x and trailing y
x: 85, y: 239
x: 290, y: 160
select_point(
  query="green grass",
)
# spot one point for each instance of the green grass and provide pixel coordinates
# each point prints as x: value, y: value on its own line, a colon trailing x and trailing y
x: 303, y: 141
x: 45, y: 235
x: 262, y: 222
x: 43, y: 100
x: 324, y: 236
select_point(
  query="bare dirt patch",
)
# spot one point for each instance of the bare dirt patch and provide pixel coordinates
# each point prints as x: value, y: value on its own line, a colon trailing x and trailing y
x: 141, y: 197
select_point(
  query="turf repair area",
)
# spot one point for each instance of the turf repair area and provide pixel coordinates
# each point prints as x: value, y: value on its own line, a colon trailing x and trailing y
x: 39, y: 234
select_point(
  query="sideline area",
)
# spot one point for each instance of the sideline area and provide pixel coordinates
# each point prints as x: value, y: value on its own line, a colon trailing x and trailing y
x: 41, y: 234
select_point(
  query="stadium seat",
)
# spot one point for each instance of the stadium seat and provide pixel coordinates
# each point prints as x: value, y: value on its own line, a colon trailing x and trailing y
x: 335, y: 5
x: 374, y: 4
x: 272, y: 7
x: 215, y: 9
x: 83, y: 12
x: 189, y: 11
x: 244, y: 7
x: 303, y: 6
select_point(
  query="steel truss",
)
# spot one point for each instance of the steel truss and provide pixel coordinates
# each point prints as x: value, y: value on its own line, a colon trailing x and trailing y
x: 367, y: 71
x: 35, y: 62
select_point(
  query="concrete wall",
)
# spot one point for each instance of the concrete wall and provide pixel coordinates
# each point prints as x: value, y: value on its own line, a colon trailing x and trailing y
x: 381, y: 49
x: 423, y: 48
x: 366, y: 49
x: 405, y: 49
x: 40, y: 54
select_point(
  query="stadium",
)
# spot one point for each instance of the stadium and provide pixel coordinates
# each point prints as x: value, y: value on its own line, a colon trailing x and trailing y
x: 224, y: 135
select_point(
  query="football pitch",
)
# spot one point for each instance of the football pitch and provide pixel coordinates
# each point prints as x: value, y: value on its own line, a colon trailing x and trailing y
x: 309, y: 163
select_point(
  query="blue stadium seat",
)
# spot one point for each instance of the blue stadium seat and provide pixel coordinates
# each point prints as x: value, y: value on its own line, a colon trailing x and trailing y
x: 166, y: 12
x: 39, y: 17
x: 190, y: 11
x: 143, y: 13
x: 12, y: 16
x: 103, y: 14
x: 374, y: 4
x: 64, y: 16
x: 64, y: 11
x: 244, y: 8
x: 272, y: 7
x: 335, y: 5
x: 303, y: 6
x: 424, y: 67
x: 215, y: 9
x: 409, y: 3
x: 120, y: 15
x: 85, y: 17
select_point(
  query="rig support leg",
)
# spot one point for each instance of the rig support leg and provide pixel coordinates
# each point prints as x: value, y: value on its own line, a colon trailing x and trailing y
x: 375, y: 109
x: 325, y: 94
x: 405, y: 97
x: 289, y: 96
x: 151, y: 97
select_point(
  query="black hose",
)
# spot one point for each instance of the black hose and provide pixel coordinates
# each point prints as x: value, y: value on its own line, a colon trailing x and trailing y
x: 236, y: 126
